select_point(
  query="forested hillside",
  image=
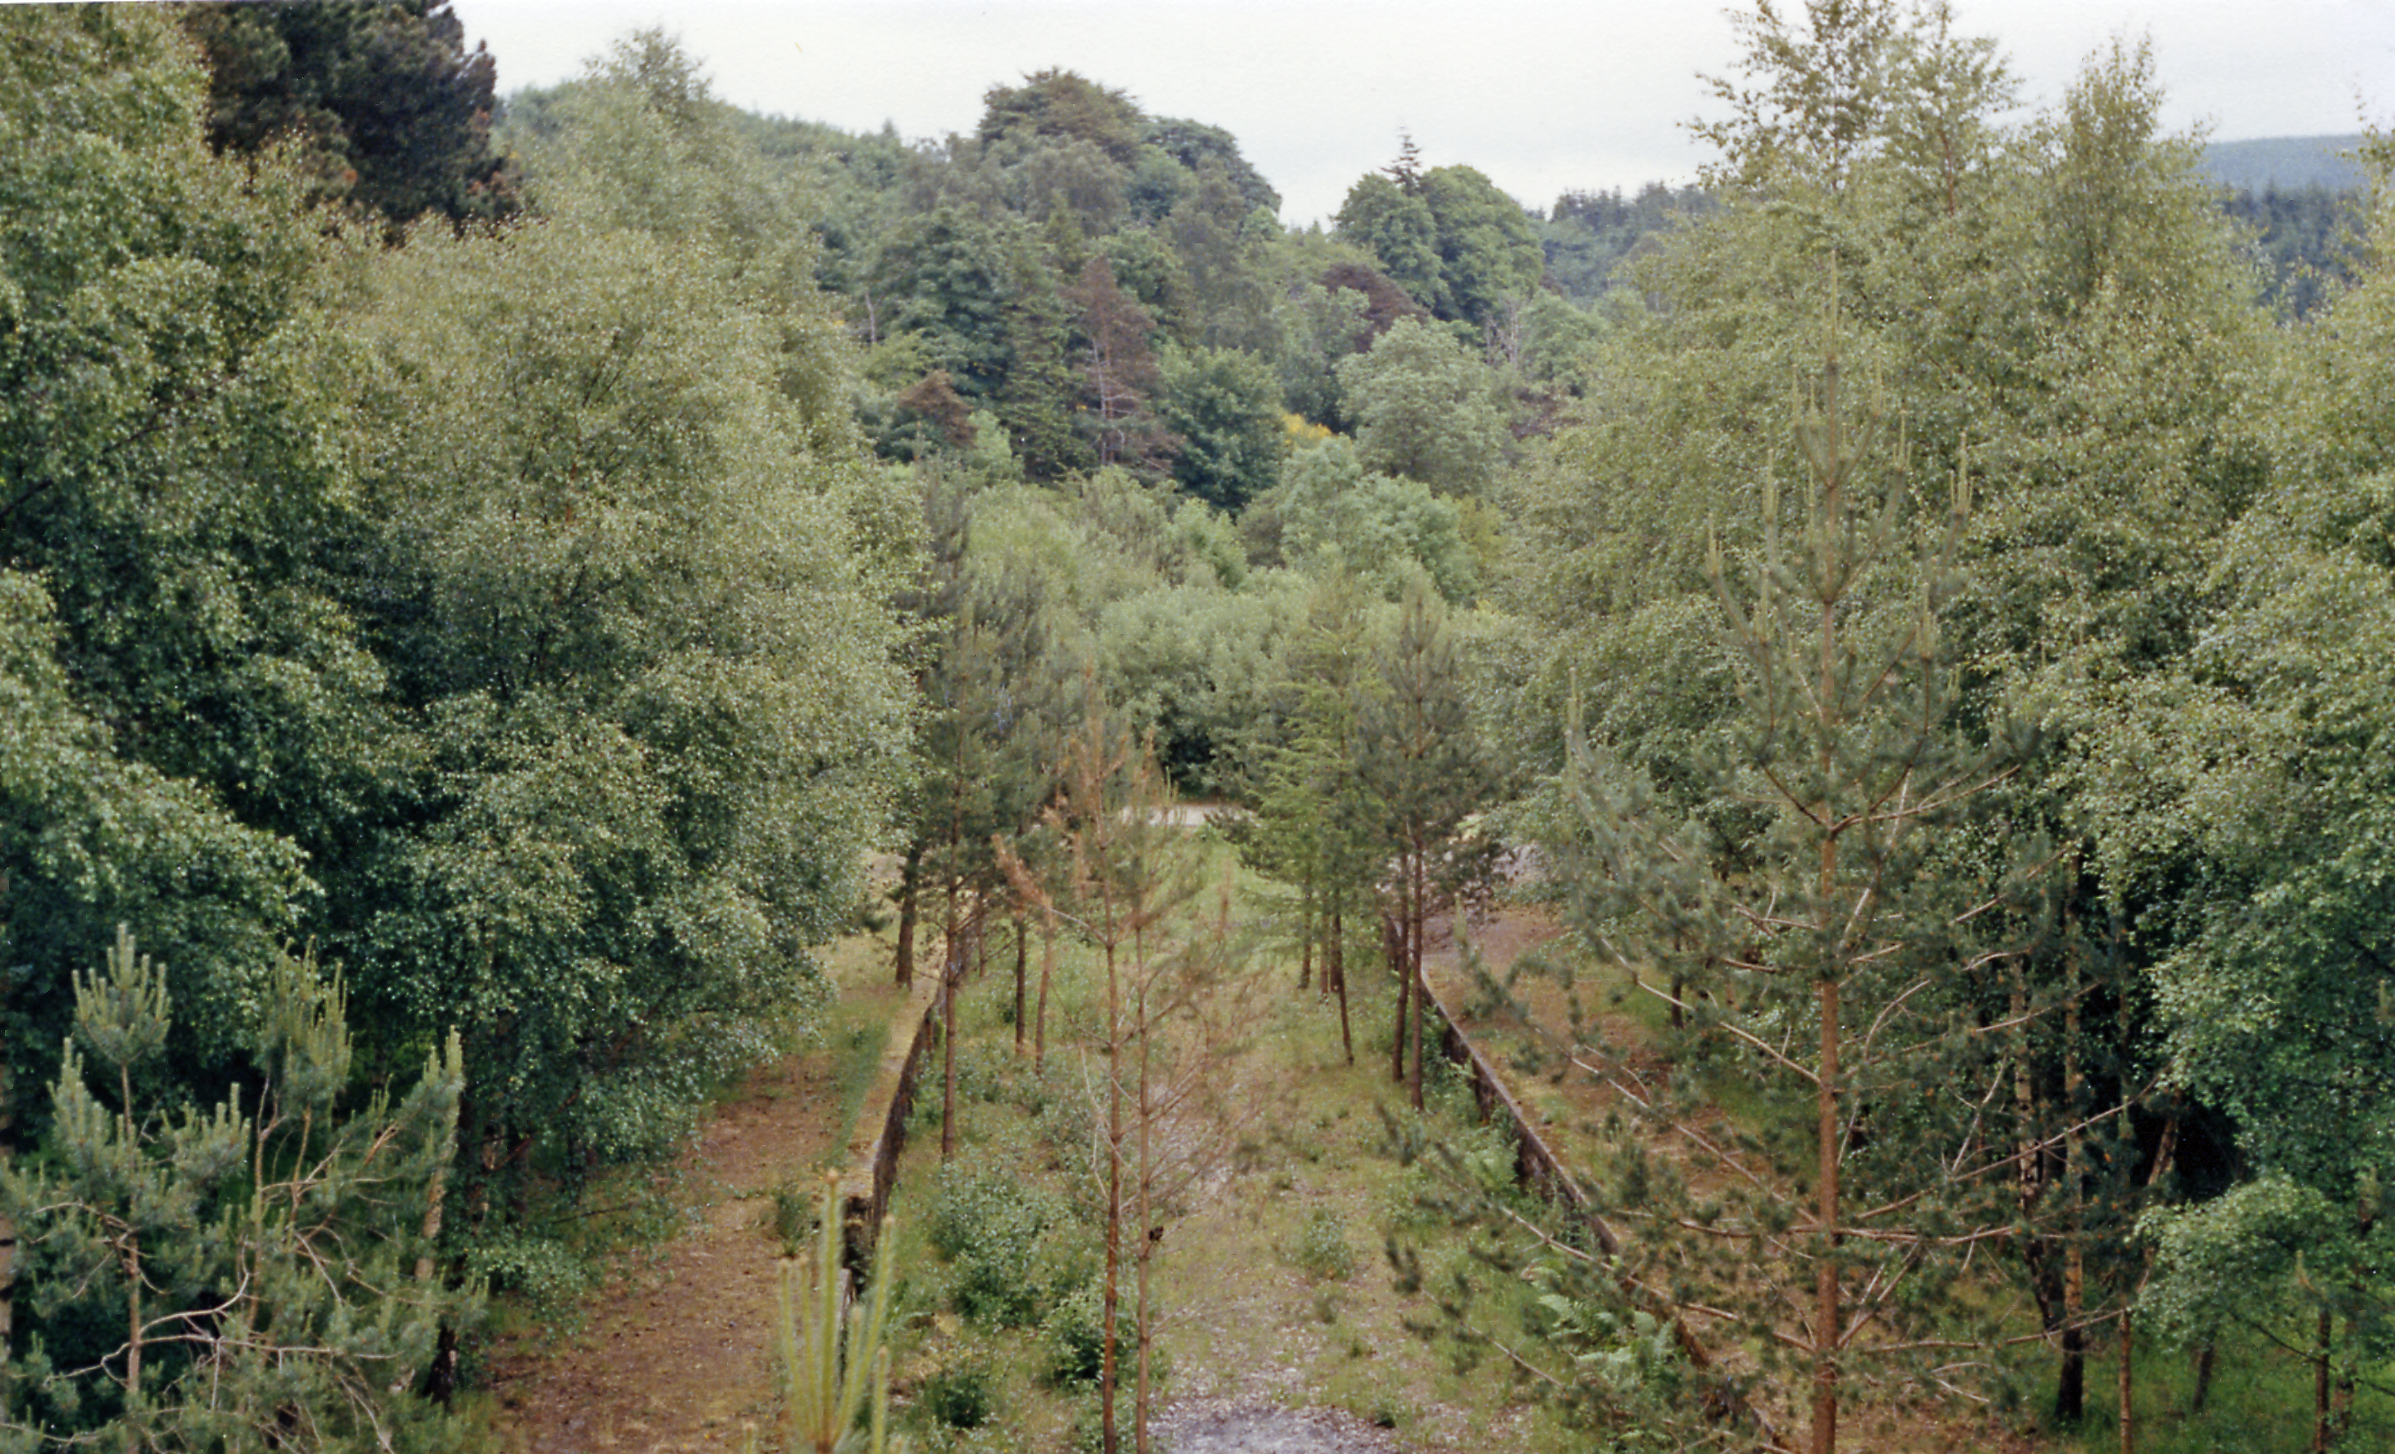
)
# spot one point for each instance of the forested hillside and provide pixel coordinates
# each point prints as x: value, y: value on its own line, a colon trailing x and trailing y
x: 490, y: 591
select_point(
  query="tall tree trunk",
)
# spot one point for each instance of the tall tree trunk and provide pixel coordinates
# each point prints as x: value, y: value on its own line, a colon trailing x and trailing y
x: 133, y: 1282
x: 910, y: 884
x: 1112, y: 1300
x: 1416, y: 914
x: 1679, y: 987
x: 1145, y: 1245
x: 1047, y: 971
x: 2070, y: 1389
x: 1022, y: 967
x: 1825, y: 1277
x: 2203, y: 1379
x: 1306, y: 934
x: 440, y: 1376
x: 1392, y: 935
x: 951, y: 966
x: 1336, y: 967
x: 2070, y: 1392
x: 1830, y: 1134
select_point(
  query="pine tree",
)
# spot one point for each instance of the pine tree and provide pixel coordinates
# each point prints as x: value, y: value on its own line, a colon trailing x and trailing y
x: 1315, y: 828
x: 1854, y: 958
x: 264, y: 1276
x: 1427, y: 770
x: 1131, y: 883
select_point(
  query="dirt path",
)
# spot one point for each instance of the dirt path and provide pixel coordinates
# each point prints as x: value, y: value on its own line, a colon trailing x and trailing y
x: 677, y: 1353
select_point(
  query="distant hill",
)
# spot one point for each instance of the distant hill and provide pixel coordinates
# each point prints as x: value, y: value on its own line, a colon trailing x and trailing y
x: 2285, y: 162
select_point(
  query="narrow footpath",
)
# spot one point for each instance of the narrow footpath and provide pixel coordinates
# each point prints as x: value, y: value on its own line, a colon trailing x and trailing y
x: 676, y: 1354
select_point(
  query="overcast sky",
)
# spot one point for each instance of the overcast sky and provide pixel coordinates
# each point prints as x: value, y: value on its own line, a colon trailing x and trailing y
x: 1542, y: 95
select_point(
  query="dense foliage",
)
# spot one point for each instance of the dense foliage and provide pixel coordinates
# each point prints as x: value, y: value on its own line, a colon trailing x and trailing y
x: 508, y: 612
x: 1924, y: 593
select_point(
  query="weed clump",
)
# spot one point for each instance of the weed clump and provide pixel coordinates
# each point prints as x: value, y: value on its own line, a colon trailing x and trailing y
x: 1075, y: 1333
x: 961, y: 1396
x: 994, y: 1228
x: 1321, y: 1249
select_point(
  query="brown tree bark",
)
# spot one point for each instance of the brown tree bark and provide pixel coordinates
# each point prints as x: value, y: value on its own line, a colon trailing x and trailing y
x: 1047, y: 972
x: 950, y: 968
x: 1335, y: 966
x: 1415, y: 917
x: 910, y: 884
x: 1393, y: 949
x: 1022, y: 969
x: 2070, y: 1390
x: 1306, y: 935
x: 1825, y: 1276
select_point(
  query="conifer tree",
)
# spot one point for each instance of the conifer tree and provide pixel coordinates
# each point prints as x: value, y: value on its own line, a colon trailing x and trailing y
x: 1315, y: 828
x: 1850, y: 963
x: 1035, y: 402
x: 1427, y: 770
x: 230, y: 1278
x: 1131, y: 883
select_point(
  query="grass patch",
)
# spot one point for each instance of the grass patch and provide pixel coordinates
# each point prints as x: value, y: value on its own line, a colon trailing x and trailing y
x: 2259, y: 1401
x: 1271, y: 1276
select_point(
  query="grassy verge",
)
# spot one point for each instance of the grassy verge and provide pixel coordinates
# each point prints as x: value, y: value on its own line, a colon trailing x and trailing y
x: 2259, y: 1401
x: 1271, y: 1280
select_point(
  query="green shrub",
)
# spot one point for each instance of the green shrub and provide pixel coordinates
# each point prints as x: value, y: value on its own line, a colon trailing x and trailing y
x: 1067, y: 1121
x: 988, y: 1222
x: 1074, y: 1330
x: 963, y: 1396
x: 1321, y: 1249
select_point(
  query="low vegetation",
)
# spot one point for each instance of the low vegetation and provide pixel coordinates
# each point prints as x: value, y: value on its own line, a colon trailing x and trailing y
x: 492, y: 593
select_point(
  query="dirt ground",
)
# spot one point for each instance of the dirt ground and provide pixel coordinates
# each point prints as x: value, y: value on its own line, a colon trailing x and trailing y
x: 677, y: 1353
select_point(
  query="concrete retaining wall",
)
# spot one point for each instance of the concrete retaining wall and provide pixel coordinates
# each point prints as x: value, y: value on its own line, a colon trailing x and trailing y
x: 1536, y: 1166
x: 881, y: 1123
x: 1538, y: 1169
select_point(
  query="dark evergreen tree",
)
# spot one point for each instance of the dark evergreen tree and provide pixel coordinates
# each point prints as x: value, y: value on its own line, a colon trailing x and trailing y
x: 945, y: 276
x: 381, y: 96
x: 1035, y: 404
x: 1223, y: 406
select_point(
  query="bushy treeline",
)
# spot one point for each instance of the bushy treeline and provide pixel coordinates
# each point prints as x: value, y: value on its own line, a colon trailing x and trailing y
x: 507, y: 612
x: 1950, y: 617
x: 1913, y: 590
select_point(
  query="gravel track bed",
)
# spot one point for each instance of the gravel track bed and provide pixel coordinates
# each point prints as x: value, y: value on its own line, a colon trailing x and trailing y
x: 1236, y: 1426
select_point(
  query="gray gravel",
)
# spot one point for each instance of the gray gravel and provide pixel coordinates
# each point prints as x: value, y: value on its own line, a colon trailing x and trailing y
x: 1234, y: 1426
